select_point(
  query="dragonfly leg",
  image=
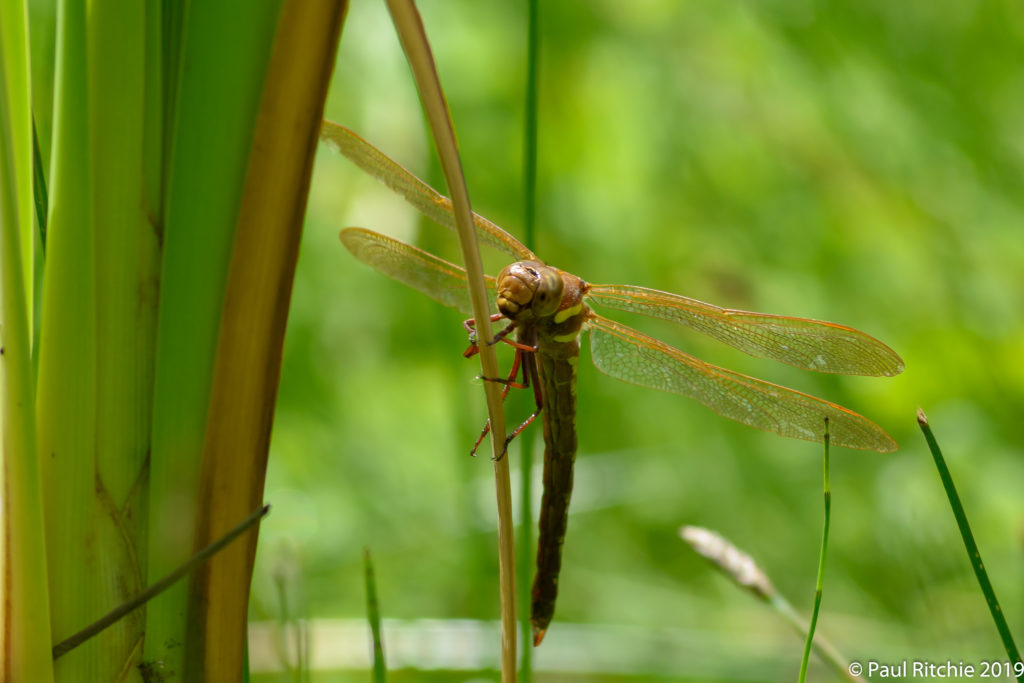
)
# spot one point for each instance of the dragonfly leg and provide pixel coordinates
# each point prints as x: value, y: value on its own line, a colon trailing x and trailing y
x: 501, y: 336
x: 524, y: 358
x: 526, y: 423
x: 509, y: 383
x: 529, y: 362
x: 518, y: 346
x: 470, y: 325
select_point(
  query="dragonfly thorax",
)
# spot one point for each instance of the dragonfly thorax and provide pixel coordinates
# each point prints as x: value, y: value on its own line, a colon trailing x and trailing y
x: 528, y: 290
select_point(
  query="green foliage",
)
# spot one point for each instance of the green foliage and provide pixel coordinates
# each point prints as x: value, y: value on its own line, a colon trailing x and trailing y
x: 854, y: 162
x: 208, y: 161
x: 135, y: 122
x: 24, y: 637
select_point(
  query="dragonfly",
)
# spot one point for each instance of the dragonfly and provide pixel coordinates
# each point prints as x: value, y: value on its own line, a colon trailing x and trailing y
x: 549, y: 309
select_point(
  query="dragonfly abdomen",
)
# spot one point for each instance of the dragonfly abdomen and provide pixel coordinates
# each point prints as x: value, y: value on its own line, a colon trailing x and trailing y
x: 557, y: 364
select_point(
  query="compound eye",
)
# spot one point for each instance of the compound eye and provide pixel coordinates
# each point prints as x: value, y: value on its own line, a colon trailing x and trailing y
x: 548, y: 296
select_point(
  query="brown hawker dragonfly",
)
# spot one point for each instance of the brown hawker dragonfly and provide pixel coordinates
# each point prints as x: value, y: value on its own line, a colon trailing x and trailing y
x: 548, y: 309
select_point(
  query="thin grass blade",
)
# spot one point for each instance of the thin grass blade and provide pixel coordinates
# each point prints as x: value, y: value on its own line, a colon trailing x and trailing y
x: 121, y: 611
x: 820, y: 584
x: 973, y: 554
x: 380, y: 671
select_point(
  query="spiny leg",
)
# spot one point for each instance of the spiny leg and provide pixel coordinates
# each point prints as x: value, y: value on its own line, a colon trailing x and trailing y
x: 501, y: 336
x: 529, y: 364
x: 509, y: 384
x: 529, y: 370
x: 524, y: 358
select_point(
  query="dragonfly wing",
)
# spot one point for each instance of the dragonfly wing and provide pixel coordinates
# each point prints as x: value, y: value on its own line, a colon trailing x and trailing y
x: 633, y: 357
x: 428, y: 201
x: 440, y: 280
x: 801, y: 342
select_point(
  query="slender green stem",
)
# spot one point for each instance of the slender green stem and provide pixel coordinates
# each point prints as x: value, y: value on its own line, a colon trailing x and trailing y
x: 973, y: 554
x: 529, y: 230
x: 417, y: 49
x: 380, y: 671
x: 530, y: 125
x: 822, y: 647
x: 819, y: 586
x: 159, y: 587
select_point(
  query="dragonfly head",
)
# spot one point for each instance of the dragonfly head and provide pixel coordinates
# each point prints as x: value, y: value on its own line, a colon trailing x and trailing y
x: 529, y: 290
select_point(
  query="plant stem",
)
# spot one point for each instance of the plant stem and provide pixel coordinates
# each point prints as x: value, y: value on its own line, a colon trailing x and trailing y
x: 252, y: 324
x: 819, y: 586
x: 373, y: 615
x: 25, y: 633
x: 414, y: 41
x: 825, y: 650
x: 973, y: 554
x: 77, y: 538
x: 208, y: 118
x: 159, y: 587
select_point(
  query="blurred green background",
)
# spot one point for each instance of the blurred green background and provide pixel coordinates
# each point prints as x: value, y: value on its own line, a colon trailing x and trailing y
x: 861, y: 162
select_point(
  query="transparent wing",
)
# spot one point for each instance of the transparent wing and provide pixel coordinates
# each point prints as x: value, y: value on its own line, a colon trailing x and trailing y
x: 442, y: 281
x: 801, y: 342
x: 426, y: 199
x: 633, y: 357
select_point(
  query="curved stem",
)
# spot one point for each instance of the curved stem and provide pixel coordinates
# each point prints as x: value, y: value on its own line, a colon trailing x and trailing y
x: 414, y: 41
